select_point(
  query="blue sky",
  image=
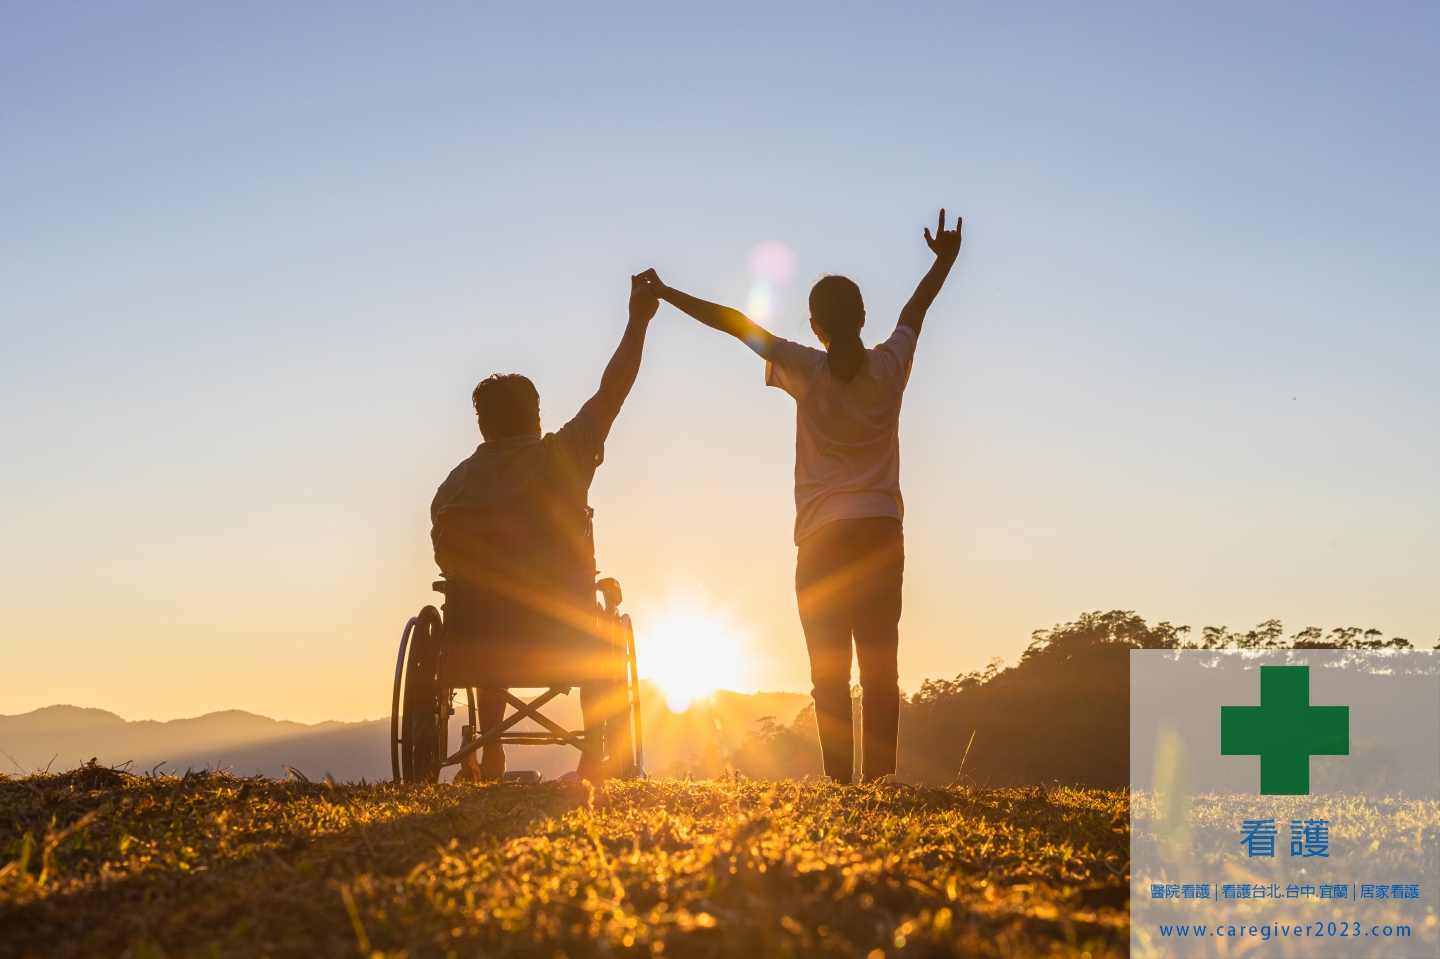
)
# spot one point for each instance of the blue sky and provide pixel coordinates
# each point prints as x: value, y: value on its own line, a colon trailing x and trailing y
x: 252, y: 262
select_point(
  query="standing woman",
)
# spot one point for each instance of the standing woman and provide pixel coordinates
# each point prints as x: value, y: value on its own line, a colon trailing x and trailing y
x: 848, y: 507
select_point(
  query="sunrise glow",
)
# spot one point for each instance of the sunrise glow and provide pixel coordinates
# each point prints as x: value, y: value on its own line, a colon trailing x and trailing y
x: 689, y: 653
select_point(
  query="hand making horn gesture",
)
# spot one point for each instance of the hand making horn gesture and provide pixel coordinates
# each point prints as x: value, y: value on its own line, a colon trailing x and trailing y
x: 944, y: 244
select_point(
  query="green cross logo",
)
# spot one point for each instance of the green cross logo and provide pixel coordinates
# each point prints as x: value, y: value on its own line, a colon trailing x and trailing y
x: 1285, y: 730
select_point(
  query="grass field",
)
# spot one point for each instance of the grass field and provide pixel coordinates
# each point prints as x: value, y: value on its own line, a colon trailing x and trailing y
x: 95, y: 862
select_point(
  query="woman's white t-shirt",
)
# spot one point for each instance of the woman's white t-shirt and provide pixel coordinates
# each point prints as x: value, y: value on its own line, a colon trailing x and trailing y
x: 847, y: 442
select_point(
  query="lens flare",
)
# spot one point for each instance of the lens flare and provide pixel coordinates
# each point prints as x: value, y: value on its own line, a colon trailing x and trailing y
x: 760, y: 304
x: 689, y: 653
x: 773, y: 262
x: 771, y: 266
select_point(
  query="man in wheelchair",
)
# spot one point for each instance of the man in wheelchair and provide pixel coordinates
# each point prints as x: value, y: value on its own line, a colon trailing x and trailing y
x: 511, y: 527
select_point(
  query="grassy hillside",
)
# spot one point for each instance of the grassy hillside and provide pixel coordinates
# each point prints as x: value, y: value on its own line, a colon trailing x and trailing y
x: 94, y: 862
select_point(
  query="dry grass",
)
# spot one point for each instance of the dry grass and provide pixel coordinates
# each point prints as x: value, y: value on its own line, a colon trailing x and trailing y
x: 92, y: 862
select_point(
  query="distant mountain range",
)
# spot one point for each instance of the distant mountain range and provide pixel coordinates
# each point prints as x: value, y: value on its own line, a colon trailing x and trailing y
x: 62, y: 737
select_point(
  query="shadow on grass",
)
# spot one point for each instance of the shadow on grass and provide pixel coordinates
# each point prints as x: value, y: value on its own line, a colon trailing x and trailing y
x: 215, y: 865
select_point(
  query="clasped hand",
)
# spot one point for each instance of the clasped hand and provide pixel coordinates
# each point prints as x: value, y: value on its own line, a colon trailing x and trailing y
x: 644, y: 296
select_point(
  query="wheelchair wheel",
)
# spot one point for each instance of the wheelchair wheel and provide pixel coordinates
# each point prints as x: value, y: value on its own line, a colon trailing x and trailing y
x: 632, y: 693
x: 395, y: 699
x: 426, y: 702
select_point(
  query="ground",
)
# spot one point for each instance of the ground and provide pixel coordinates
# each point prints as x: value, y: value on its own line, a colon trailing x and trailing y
x: 95, y: 862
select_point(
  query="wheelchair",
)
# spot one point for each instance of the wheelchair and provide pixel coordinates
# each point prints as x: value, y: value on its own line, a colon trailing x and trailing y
x: 434, y: 665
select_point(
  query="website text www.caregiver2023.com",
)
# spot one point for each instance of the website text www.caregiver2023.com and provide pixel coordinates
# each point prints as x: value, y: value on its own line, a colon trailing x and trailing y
x: 1279, y: 930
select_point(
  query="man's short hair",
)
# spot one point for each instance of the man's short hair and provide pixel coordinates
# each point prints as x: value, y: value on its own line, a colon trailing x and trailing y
x: 508, y: 405
x: 836, y: 306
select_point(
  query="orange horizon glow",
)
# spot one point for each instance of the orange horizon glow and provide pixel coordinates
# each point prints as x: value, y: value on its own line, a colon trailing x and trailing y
x: 690, y: 653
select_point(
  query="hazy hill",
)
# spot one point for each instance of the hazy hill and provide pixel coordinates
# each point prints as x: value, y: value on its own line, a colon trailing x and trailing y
x: 63, y: 737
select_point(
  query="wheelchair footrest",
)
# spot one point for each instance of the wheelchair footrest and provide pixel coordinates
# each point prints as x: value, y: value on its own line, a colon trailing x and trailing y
x: 537, y: 738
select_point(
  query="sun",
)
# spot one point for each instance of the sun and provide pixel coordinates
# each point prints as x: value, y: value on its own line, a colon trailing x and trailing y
x: 689, y: 653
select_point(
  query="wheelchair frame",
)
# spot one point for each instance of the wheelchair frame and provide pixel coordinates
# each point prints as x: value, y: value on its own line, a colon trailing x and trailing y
x: 422, y: 703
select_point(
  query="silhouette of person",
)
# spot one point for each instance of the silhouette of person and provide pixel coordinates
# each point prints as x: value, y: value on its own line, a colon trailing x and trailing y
x: 511, y: 531
x: 850, y: 560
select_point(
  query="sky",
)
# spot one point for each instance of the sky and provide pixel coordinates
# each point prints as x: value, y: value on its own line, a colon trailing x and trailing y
x: 252, y: 262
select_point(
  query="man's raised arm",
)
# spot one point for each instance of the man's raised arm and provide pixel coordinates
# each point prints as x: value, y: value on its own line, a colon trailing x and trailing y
x: 620, y: 372
x: 946, y: 246
x: 722, y: 318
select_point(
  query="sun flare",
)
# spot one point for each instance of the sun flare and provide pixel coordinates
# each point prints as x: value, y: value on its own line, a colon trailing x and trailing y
x: 689, y: 653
